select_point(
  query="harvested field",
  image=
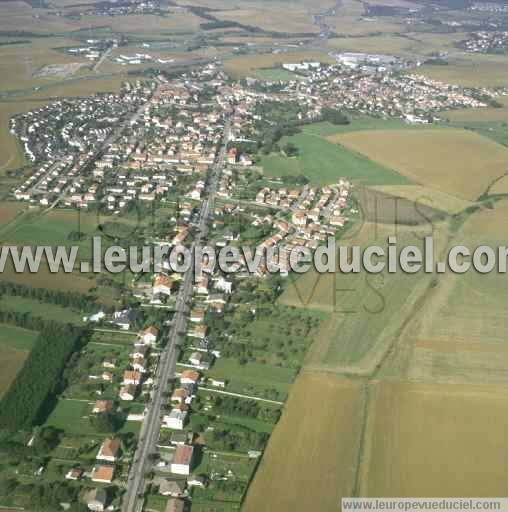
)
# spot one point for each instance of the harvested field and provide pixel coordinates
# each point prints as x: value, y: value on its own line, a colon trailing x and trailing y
x: 310, y: 460
x: 415, y: 428
x: 381, y: 207
x: 424, y: 196
x: 454, y: 161
x: 9, y: 211
x: 473, y: 71
x: 482, y: 115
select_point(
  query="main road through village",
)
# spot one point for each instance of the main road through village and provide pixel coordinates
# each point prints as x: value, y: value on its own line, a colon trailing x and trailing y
x: 133, y: 498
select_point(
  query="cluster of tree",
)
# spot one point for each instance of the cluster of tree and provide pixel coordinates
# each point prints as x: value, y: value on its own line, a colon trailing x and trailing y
x: 43, y: 497
x: 61, y: 298
x: 40, y: 379
x: 236, y: 438
x: 233, y: 406
x: 334, y: 116
x: 107, y: 422
x: 291, y: 149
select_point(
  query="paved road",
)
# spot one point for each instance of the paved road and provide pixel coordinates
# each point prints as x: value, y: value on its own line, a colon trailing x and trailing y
x: 133, y: 500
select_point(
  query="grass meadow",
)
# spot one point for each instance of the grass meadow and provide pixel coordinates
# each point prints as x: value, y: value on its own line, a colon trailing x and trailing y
x: 324, y: 162
x: 15, y: 345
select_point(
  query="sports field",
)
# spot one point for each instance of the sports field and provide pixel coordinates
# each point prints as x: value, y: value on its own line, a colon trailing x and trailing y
x: 454, y: 161
x: 310, y: 460
x: 15, y: 344
x: 431, y: 440
x: 324, y: 163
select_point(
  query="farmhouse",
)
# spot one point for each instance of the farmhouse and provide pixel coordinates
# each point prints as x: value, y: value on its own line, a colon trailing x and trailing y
x: 182, y: 460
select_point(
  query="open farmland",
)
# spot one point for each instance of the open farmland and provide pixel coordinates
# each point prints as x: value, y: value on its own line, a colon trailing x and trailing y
x: 324, y: 163
x: 15, y: 345
x: 311, y: 456
x: 421, y: 197
x: 9, y: 211
x: 366, y: 311
x: 415, y: 428
x: 454, y: 161
x: 247, y: 65
x: 473, y: 71
x: 460, y: 334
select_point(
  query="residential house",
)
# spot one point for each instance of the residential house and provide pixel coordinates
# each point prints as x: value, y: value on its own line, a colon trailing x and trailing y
x: 131, y: 377
x: 197, y: 315
x: 175, y: 419
x: 172, y: 488
x: 182, y: 460
x: 96, y: 500
x: 102, y: 406
x: 162, y: 285
x: 128, y: 393
x: 149, y: 335
x: 109, y: 450
x: 189, y: 377
x: 74, y: 474
x: 103, y: 474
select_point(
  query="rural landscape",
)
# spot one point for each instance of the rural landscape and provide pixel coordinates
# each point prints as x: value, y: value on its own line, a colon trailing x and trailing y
x: 279, y: 126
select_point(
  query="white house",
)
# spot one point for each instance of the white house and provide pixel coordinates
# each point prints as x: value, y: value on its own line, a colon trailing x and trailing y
x: 175, y: 419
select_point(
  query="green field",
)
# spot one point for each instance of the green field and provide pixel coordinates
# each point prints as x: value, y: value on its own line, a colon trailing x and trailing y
x: 276, y: 74
x: 44, y: 310
x: 324, y: 163
x: 252, y: 378
x: 15, y: 345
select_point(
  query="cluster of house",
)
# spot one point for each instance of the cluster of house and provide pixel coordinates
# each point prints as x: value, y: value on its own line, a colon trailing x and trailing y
x: 71, y: 132
x: 134, y: 375
x: 170, y: 133
x: 486, y: 42
x: 377, y: 89
x: 103, y: 472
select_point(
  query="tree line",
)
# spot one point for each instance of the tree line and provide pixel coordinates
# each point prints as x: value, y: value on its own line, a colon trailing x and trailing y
x: 61, y: 298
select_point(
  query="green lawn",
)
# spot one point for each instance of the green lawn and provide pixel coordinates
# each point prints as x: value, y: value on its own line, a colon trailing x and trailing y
x: 252, y: 377
x: 51, y: 312
x: 324, y: 163
x: 16, y: 337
